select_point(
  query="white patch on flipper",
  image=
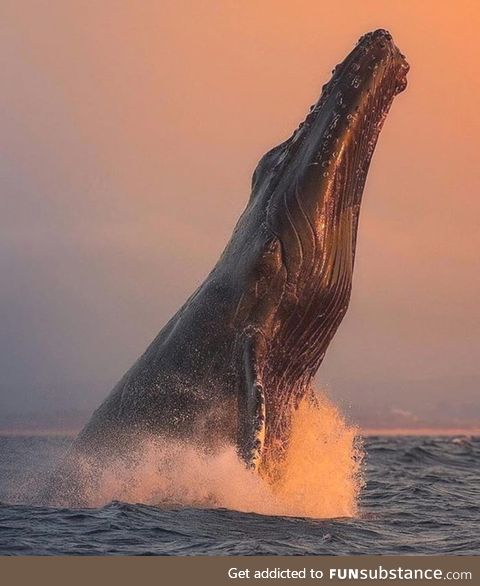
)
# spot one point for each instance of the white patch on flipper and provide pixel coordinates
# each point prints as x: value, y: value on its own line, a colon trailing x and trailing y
x: 259, y: 433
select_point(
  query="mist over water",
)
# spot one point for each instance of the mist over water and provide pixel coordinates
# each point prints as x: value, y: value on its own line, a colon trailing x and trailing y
x: 321, y: 475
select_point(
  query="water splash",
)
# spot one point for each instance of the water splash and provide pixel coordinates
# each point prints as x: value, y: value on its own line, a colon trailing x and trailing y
x: 321, y: 475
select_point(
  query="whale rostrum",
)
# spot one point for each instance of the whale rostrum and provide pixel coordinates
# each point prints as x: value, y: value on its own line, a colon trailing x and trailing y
x: 233, y: 364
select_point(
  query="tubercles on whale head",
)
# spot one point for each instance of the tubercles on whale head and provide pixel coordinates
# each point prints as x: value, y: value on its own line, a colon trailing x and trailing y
x: 347, y: 117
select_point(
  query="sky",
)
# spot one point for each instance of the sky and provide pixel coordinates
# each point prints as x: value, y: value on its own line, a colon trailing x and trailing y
x: 129, y: 133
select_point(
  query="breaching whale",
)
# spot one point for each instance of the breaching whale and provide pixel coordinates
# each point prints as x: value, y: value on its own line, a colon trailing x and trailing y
x: 233, y: 364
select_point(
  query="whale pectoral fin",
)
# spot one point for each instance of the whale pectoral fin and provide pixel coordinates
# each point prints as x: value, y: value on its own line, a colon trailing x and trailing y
x: 251, y: 401
x: 255, y: 426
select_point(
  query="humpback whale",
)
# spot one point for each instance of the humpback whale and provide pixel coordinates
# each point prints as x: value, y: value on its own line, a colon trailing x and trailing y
x: 233, y: 364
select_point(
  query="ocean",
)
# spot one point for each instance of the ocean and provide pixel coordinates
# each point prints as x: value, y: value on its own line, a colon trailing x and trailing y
x: 418, y: 495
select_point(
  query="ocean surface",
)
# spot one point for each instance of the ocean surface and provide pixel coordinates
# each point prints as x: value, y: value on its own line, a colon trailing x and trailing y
x: 421, y: 496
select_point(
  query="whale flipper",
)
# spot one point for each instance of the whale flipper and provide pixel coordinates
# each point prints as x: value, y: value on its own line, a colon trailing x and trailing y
x: 251, y: 398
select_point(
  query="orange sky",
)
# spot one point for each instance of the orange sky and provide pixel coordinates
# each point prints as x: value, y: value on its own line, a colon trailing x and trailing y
x: 129, y: 134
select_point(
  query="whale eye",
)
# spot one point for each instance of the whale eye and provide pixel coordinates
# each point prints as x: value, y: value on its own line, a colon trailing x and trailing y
x: 271, y: 260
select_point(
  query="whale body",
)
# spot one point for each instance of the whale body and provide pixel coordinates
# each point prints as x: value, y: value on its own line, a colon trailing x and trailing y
x: 233, y: 364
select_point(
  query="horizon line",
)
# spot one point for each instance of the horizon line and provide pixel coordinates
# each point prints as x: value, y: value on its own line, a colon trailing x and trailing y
x: 362, y: 432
